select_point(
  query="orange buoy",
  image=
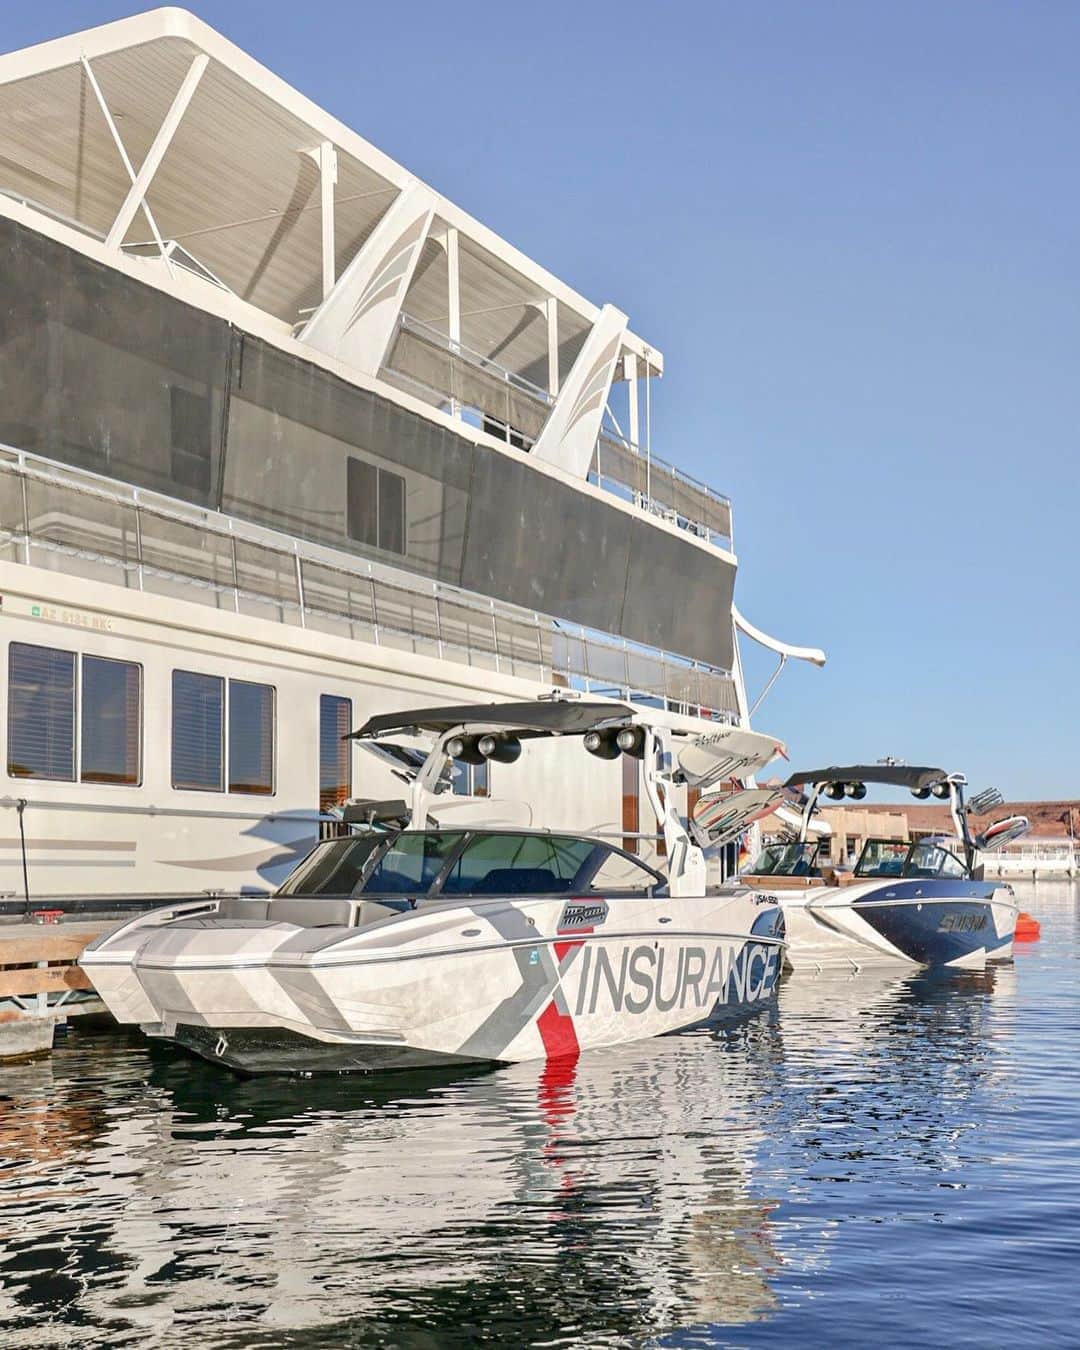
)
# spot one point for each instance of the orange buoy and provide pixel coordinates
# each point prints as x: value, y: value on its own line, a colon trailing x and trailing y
x: 1027, y: 928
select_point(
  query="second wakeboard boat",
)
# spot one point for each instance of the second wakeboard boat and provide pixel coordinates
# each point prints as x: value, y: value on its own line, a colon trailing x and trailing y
x: 922, y: 902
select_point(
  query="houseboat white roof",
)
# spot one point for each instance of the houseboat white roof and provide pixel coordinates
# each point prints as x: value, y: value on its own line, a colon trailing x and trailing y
x: 259, y: 186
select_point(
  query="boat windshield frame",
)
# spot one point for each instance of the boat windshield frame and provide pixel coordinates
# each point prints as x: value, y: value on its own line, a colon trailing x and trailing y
x: 907, y: 871
x: 812, y: 847
x: 432, y: 887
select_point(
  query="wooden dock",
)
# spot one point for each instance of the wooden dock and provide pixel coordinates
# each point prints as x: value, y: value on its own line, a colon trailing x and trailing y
x: 39, y: 976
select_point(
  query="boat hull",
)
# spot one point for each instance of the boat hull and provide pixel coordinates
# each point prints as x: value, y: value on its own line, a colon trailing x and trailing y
x: 932, y: 923
x: 492, y: 981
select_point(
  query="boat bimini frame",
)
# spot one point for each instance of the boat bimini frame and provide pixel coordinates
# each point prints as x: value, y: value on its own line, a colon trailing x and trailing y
x: 836, y: 783
x: 671, y: 759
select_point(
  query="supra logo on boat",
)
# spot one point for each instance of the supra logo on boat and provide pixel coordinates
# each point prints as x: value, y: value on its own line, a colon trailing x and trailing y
x: 583, y: 914
x: 649, y: 978
x: 962, y: 923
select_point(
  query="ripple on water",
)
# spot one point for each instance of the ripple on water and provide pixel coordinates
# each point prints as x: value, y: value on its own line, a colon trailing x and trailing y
x: 882, y: 1158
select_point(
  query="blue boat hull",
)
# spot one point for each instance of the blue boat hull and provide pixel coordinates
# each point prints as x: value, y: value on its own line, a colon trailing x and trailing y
x: 933, y: 925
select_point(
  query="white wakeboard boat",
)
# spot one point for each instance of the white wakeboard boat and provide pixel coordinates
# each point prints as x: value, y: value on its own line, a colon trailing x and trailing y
x: 415, y: 942
x: 921, y: 902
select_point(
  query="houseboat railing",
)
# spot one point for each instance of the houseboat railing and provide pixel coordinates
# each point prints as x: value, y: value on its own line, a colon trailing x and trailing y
x: 428, y: 364
x: 86, y: 525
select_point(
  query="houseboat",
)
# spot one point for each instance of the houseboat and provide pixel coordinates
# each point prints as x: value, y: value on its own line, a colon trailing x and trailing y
x: 288, y: 440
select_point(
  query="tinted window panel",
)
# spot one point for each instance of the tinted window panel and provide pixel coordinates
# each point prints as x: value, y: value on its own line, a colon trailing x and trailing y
x: 510, y: 864
x: 391, y: 512
x: 334, y: 868
x: 251, y: 737
x: 363, y: 502
x: 197, y: 720
x: 619, y: 873
x: 412, y: 863
x: 111, y: 721
x: 335, y: 755
x: 41, y: 712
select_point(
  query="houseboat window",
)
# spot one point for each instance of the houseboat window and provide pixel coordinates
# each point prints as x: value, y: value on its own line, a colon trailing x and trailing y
x: 41, y: 712
x: 411, y: 863
x: 470, y: 780
x: 375, y: 506
x: 391, y: 512
x: 197, y: 723
x: 362, y: 502
x: 631, y: 802
x: 251, y: 737
x: 335, y: 758
x: 111, y: 721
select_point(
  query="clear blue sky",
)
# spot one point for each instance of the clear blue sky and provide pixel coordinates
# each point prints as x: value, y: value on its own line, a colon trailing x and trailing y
x: 852, y: 228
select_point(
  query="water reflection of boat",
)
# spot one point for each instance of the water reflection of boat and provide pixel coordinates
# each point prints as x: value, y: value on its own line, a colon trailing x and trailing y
x: 618, y: 1192
x: 649, y: 1189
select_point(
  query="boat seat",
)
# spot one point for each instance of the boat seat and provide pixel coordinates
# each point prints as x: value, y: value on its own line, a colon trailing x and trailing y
x: 311, y: 913
x: 234, y: 907
x: 521, y: 881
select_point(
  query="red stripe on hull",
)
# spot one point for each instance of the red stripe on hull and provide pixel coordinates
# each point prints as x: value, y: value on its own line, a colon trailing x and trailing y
x: 557, y: 1032
x: 561, y: 948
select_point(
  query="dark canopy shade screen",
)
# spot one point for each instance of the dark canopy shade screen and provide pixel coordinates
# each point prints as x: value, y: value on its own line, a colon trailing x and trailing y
x: 251, y: 737
x: 104, y: 372
x: 894, y: 775
x: 538, y: 719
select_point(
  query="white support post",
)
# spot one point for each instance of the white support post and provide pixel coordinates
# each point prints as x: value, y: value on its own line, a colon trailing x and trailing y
x: 453, y: 286
x: 92, y: 78
x: 453, y: 300
x: 569, y: 435
x: 553, y: 346
x: 357, y: 321
x: 141, y: 181
x: 328, y: 165
x: 630, y: 373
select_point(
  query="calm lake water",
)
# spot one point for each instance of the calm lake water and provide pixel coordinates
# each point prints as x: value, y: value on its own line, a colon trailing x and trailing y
x: 881, y: 1160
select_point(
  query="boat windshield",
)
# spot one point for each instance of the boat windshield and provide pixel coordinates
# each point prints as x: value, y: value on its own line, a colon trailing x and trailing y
x: 518, y: 864
x: 902, y: 858
x: 460, y: 862
x: 334, y: 867
x: 787, y: 860
x: 412, y: 863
